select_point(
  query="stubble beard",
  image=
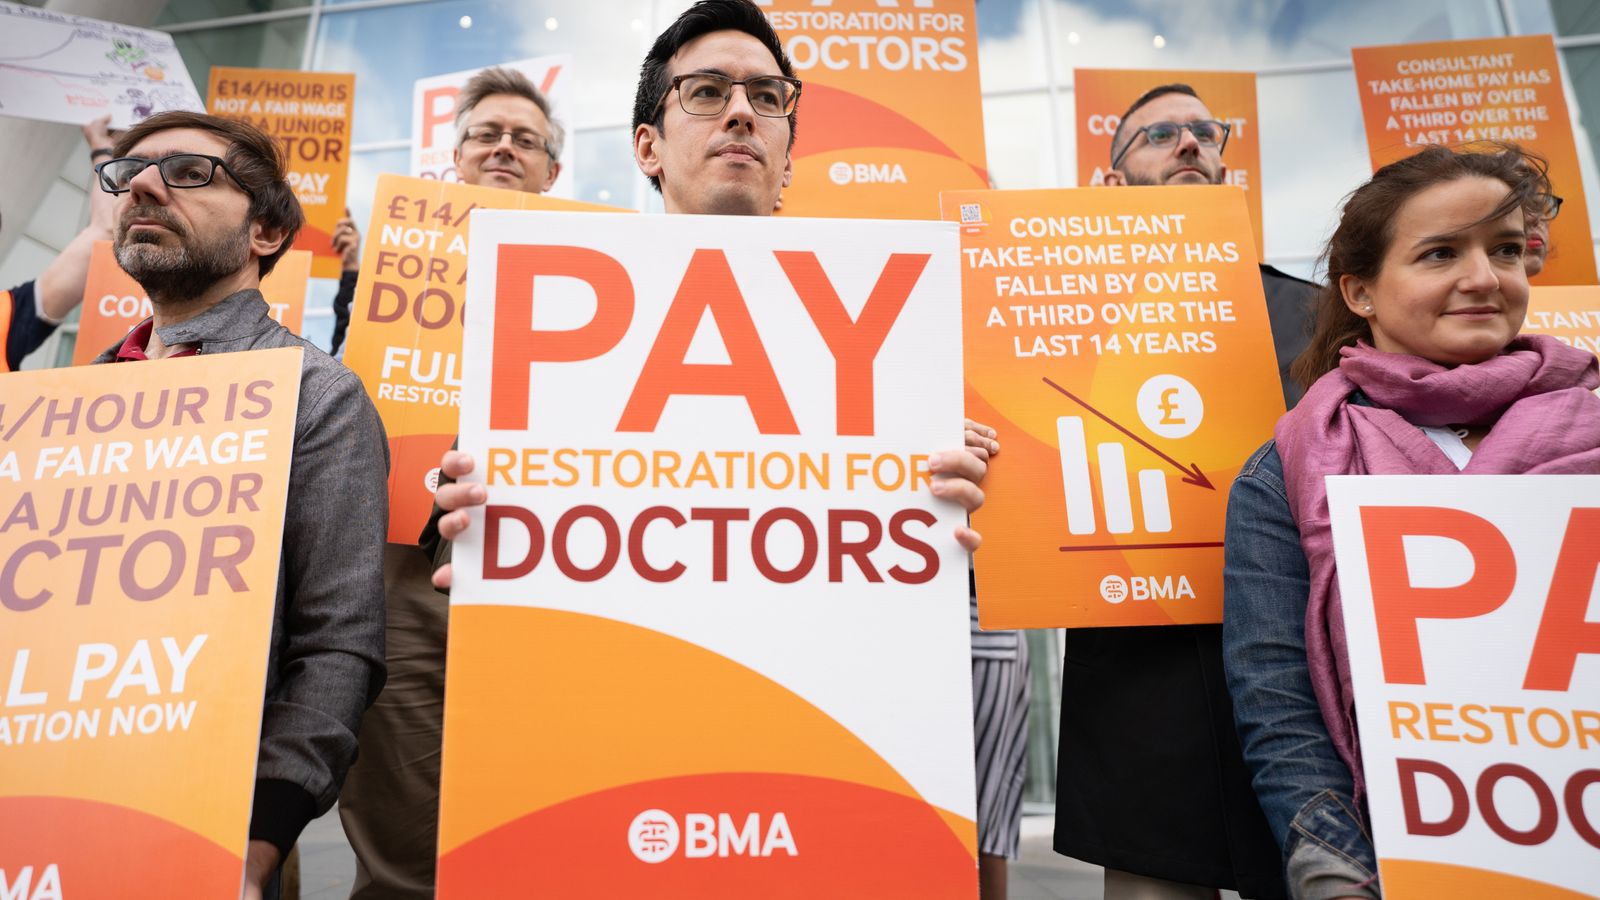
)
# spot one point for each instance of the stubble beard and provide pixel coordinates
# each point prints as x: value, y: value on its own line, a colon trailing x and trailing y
x: 735, y: 200
x: 176, y: 276
x: 1139, y: 179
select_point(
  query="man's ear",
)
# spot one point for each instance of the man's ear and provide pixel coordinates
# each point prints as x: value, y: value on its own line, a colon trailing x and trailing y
x: 1356, y: 296
x: 788, y: 168
x: 1114, y: 178
x: 265, y: 241
x: 645, y: 153
x: 550, y: 179
x: 455, y: 159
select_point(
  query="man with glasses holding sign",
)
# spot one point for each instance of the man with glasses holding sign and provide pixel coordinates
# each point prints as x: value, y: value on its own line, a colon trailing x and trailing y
x: 714, y: 120
x: 507, y: 138
x: 1151, y: 782
x: 203, y: 212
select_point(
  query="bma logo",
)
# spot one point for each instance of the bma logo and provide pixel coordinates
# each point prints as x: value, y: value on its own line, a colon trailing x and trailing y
x: 1115, y: 588
x: 654, y: 836
x: 867, y: 173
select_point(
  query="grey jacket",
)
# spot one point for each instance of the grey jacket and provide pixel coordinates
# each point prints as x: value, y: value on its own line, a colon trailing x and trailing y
x: 326, y: 664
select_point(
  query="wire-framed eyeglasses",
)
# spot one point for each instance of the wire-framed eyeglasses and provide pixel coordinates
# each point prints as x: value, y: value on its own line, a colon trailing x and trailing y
x: 708, y: 94
x: 521, y: 138
x: 178, y: 170
x: 1207, y: 132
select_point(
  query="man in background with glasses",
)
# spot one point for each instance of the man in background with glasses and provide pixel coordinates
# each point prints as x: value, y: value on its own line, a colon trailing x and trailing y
x: 1151, y: 782
x: 1168, y: 137
x: 506, y: 137
x: 203, y: 212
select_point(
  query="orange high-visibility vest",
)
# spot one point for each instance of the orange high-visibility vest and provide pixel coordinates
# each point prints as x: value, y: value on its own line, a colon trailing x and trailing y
x: 6, y: 301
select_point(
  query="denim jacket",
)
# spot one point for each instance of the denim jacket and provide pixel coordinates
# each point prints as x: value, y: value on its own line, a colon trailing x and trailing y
x: 1304, y: 789
x: 326, y: 661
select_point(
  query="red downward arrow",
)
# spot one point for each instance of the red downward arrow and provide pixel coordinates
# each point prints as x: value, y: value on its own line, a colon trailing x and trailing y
x: 1191, y: 473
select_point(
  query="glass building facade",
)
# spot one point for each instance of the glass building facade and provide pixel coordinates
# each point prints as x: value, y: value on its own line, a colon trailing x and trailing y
x: 1313, y: 148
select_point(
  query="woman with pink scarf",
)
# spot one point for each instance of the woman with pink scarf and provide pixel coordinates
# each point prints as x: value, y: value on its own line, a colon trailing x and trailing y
x: 1415, y: 367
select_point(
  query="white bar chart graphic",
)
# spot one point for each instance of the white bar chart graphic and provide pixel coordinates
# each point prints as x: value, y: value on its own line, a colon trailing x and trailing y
x: 1116, y: 489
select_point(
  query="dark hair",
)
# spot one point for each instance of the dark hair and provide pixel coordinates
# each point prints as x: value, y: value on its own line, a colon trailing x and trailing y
x: 501, y: 80
x: 254, y: 159
x: 701, y: 19
x: 1366, y: 231
x: 1146, y: 97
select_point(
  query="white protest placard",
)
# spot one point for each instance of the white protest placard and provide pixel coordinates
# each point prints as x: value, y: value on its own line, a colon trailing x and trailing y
x: 62, y: 68
x: 710, y: 563
x: 433, y: 118
x: 1474, y: 641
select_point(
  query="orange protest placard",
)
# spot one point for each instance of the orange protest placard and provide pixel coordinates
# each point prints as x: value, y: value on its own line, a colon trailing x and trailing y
x: 141, y: 514
x: 1102, y: 95
x: 891, y: 110
x: 626, y: 688
x: 1118, y: 340
x: 1570, y: 313
x: 309, y: 114
x: 405, y: 325
x: 113, y: 302
x: 1490, y: 89
x: 1475, y: 697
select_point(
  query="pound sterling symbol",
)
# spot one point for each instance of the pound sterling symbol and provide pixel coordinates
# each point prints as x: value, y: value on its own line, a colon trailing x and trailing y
x: 1168, y: 406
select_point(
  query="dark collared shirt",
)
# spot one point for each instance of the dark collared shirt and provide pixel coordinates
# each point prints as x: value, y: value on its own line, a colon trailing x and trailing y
x: 326, y: 663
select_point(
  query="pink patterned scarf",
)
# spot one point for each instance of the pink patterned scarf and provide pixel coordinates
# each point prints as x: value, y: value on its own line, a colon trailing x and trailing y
x: 1537, y: 397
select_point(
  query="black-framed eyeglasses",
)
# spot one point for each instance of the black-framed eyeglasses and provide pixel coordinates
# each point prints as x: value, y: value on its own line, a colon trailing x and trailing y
x: 1552, y: 206
x: 1207, y: 132
x: 178, y: 170
x: 708, y: 94
x: 521, y: 138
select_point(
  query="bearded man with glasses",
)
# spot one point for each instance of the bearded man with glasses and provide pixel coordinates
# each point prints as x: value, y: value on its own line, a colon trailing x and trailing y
x: 203, y: 212
x: 1151, y: 781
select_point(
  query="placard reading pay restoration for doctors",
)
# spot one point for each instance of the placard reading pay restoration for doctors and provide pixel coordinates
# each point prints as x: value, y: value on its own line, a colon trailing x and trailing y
x: 709, y: 538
